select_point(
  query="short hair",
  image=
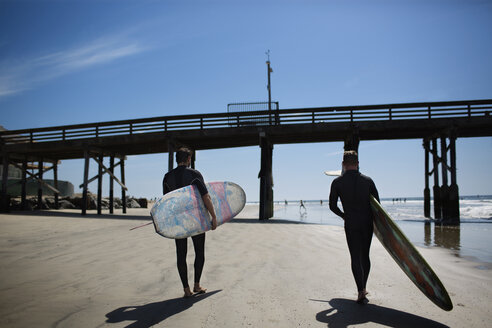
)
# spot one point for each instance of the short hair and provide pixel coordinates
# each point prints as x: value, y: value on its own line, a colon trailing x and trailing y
x: 350, y: 157
x: 182, y: 154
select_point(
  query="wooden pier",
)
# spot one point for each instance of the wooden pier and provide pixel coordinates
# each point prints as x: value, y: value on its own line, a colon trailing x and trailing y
x: 431, y: 121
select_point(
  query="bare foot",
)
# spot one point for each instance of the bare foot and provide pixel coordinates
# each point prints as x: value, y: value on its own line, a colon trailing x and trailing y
x: 187, y: 292
x: 362, y: 296
x: 198, y: 289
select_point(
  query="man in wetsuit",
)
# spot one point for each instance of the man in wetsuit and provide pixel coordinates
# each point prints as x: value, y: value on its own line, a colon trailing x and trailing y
x: 177, y: 178
x: 354, y: 189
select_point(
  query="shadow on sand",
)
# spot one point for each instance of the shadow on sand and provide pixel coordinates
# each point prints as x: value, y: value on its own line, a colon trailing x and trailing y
x: 78, y: 215
x: 153, y: 313
x: 345, y: 313
x: 269, y: 221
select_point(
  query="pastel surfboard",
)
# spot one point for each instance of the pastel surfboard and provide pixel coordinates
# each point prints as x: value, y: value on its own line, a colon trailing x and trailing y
x: 182, y: 213
x: 407, y: 256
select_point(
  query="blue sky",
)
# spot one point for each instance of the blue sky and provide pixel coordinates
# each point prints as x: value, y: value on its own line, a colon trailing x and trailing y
x: 70, y: 62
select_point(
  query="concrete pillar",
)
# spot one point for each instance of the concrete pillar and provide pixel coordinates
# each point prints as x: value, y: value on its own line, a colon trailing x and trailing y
x: 24, y: 184
x: 193, y: 159
x: 352, y: 143
x: 86, y: 178
x: 40, y: 185
x: 170, y: 150
x: 266, y: 179
x: 436, y: 189
x: 454, y: 199
x: 99, y: 184
x: 55, y: 181
x: 444, y: 176
x: 111, y: 184
x: 427, y: 200
x: 123, y: 191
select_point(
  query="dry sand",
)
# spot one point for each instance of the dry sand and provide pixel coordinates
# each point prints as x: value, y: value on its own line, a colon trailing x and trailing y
x: 61, y: 270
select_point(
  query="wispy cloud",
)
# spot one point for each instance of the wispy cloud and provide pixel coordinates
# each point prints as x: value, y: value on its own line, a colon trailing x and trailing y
x: 20, y: 75
x: 335, y: 153
x: 364, y: 145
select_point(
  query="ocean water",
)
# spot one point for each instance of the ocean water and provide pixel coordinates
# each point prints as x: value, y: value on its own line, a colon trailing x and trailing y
x: 471, y: 239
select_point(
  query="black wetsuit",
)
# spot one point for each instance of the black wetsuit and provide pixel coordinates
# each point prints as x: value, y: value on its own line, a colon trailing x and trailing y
x: 354, y: 189
x: 180, y: 177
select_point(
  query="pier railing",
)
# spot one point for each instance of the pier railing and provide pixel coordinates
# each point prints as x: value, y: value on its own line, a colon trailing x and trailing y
x: 408, y: 111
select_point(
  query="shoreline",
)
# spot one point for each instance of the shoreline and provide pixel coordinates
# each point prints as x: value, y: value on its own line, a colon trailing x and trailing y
x: 66, y: 270
x: 468, y: 239
x: 250, y: 213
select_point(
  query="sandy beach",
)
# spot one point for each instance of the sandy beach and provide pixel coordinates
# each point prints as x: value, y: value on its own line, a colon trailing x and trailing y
x: 59, y: 269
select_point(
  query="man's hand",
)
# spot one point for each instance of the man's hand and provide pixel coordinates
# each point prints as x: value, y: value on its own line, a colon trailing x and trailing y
x: 210, y: 207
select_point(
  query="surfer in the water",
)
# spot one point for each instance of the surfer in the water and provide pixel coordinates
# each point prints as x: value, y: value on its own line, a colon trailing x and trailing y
x: 354, y: 189
x: 177, y: 178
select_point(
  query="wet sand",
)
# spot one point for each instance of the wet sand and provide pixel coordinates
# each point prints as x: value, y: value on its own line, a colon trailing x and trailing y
x: 59, y: 269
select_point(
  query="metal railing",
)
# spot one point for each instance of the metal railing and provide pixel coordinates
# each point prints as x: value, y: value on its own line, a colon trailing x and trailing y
x: 426, y: 111
x: 251, y: 108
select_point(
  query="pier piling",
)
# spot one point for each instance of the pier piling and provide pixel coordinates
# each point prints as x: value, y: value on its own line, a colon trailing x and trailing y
x: 444, y: 176
x: 427, y: 200
x: 352, y: 142
x: 123, y: 188
x: 111, y: 184
x: 55, y: 182
x: 454, y: 199
x: 40, y: 184
x: 86, y: 182
x: 99, y: 184
x: 24, y: 184
x: 266, y: 179
x: 446, y: 197
x: 4, y: 198
x: 436, y: 190
x: 170, y: 156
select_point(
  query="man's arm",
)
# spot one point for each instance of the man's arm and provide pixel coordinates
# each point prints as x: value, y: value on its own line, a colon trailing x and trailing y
x: 210, y: 207
x: 374, y: 191
x: 165, y: 187
x: 168, y: 183
x: 200, y: 184
x: 334, y: 201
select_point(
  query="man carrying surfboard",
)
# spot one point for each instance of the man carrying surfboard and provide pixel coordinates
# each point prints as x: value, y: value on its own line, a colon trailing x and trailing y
x: 177, y: 178
x: 354, y: 189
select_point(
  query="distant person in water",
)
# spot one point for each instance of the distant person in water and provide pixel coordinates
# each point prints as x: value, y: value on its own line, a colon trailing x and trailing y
x: 177, y: 178
x: 354, y: 189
